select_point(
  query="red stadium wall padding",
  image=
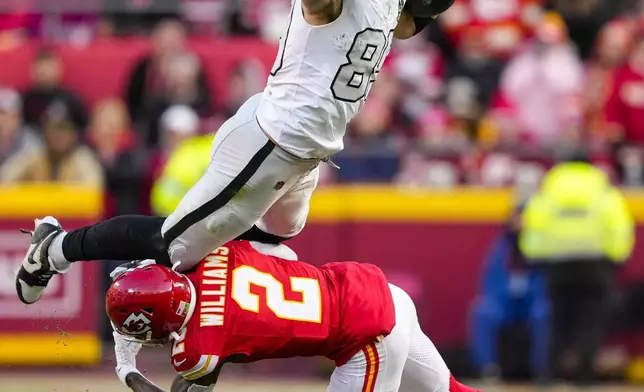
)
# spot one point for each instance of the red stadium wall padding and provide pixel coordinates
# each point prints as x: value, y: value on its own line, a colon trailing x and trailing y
x: 439, y: 264
x: 101, y: 70
x: 14, y: 67
x: 62, y: 328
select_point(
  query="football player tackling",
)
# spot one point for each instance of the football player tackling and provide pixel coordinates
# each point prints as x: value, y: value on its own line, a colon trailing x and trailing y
x: 240, y: 305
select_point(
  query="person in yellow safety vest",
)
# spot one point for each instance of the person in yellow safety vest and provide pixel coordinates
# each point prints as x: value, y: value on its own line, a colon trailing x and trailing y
x: 578, y: 228
x: 184, y: 168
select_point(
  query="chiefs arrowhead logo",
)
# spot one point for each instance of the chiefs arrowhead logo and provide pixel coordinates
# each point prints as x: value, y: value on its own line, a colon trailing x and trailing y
x: 136, y: 324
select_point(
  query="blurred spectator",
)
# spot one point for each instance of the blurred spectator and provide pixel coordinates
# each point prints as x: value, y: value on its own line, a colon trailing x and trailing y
x: 543, y: 84
x: 613, y: 46
x: 139, y: 17
x: 584, y: 19
x: 437, y: 130
x: 505, y: 24
x: 418, y: 171
x: 625, y: 107
x: 124, y: 164
x: 148, y: 78
x: 392, y: 91
x: 578, y: 228
x: 71, y: 26
x: 206, y: 17
x: 16, y: 140
x: 511, y: 293
x: 184, y: 168
x: 105, y: 28
x: 237, y: 20
x: 474, y: 73
x: 629, y: 164
x: 46, y: 89
x: 418, y: 67
x: 247, y: 79
x: 390, y: 85
x: 182, y: 88
x: 370, y: 153
x: 178, y: 123
x: 272, y: 18
x: 63, y: 159
x: 14, y: 28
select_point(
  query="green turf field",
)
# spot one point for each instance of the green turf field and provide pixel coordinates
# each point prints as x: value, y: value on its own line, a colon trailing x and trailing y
x: 106, y: 383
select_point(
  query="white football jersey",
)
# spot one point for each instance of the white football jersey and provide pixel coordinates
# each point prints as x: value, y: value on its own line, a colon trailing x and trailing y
x: 323, y: 74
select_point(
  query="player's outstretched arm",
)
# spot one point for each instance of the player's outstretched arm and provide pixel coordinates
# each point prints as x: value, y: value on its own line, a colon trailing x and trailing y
x: 205, y: 383
x: 126, y: 370
x: 408, y: 25
x: 180, y: 384
x: 417, y: 14
x: 138, y: 383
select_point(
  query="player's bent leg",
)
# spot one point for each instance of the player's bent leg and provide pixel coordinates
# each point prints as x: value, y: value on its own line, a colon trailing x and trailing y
x: 287, y: 216
x: 129, y: 237
x: 246, y: 175
x: 360, y: 373
x: 125, y: 238
x: 424, y: 369
x: 379, y: 366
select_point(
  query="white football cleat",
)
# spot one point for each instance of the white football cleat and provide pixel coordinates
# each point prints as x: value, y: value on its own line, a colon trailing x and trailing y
x: 37, y: 269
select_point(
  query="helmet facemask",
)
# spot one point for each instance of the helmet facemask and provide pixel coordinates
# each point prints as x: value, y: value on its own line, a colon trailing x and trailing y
x: 150, y: 305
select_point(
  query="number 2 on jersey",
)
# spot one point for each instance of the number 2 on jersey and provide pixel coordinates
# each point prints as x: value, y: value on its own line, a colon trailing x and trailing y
x: 309, y: 309
x: 364, y: 60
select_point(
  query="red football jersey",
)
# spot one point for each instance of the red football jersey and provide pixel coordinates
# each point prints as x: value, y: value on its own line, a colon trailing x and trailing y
x: 264, y: 307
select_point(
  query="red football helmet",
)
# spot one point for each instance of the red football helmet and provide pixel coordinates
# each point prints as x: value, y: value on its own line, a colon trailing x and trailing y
x: 148, y: 304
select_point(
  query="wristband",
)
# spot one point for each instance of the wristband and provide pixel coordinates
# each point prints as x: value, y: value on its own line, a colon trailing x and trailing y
x: 123, y: 371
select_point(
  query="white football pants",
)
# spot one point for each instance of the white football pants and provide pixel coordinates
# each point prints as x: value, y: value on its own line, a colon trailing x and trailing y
x: 406, y: 360
x: 250, y: 181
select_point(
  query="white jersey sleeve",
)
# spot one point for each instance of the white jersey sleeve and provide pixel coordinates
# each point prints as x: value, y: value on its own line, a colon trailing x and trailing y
x: 323, y: 74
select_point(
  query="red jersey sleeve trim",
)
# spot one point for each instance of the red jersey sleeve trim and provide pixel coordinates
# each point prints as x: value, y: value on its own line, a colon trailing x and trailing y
x: 206, y: 365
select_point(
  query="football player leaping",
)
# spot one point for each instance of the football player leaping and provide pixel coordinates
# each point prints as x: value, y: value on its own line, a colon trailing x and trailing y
x: 264, y: 160
x: 240, y: 305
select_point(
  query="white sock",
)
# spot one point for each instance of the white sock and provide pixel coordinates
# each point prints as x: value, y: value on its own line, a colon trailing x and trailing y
x: 56, y: 256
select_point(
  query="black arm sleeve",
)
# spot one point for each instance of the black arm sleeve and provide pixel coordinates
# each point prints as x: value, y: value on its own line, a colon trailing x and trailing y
x: 180, y: 384
x: 138, y: 383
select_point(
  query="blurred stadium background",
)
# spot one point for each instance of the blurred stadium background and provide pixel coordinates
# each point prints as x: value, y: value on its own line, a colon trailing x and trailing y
x: 96, y: 96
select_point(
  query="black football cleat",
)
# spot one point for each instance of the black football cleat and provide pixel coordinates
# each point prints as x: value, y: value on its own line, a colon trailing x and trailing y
x: 37, y: 269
